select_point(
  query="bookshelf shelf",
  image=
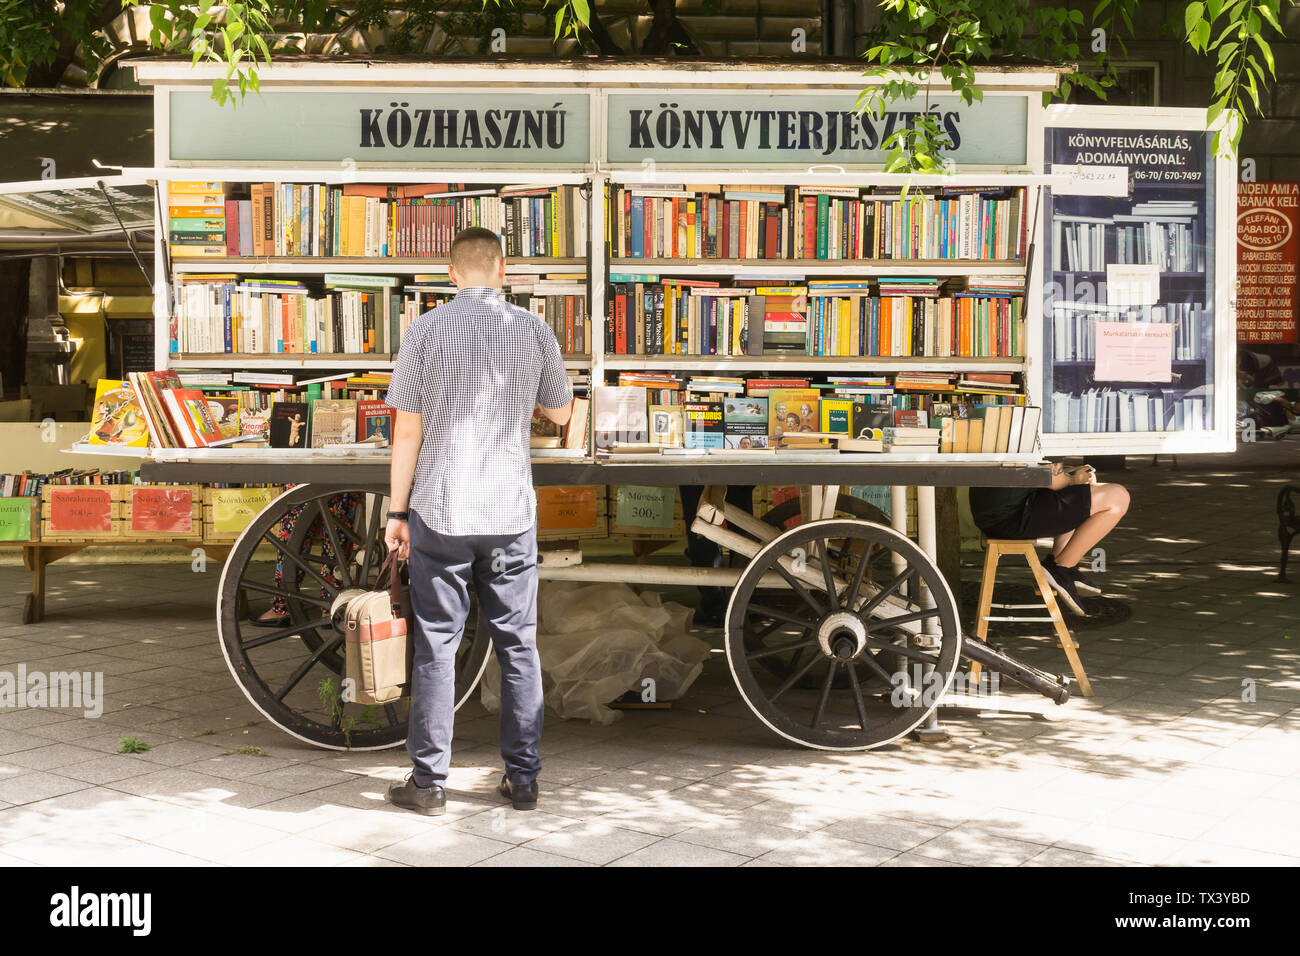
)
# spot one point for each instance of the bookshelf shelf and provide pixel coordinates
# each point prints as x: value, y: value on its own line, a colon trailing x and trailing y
x: 288, y: 361
x: 322, y: 264
x: 848, y: 363
x: 819, y: 267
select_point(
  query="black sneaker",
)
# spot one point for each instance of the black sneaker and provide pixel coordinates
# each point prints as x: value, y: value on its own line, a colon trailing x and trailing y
x: 1063, y: 584
x: 430, y: 801
x: 520, y: 796
x: 1081, y: 582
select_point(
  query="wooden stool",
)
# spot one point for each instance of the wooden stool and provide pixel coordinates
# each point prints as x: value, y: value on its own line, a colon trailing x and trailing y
x: 996, y: 548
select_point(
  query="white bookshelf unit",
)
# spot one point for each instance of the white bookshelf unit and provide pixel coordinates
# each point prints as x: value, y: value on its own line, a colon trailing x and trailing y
x: 655, y: 124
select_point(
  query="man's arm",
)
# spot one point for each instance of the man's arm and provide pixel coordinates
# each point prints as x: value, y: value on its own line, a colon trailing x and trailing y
x: 408, y: 432
x: 1061, y: 478
x: 554, y: 394
x: 559, y: 415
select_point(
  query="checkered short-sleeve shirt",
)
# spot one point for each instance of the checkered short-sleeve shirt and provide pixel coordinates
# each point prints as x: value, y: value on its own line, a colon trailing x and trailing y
x: 473, y: 369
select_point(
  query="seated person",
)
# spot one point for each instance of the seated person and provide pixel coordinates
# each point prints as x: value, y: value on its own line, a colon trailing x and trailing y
x: 1077, y: 511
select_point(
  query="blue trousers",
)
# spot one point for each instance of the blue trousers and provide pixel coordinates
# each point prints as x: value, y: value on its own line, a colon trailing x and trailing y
x: 502, y: 569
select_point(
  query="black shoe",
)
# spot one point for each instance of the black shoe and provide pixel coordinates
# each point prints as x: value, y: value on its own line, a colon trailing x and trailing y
x: 520, y: 796
x: 708, y: 617
x: 1063, y: 584
x: 430, y: 801
x: 1081, y: 582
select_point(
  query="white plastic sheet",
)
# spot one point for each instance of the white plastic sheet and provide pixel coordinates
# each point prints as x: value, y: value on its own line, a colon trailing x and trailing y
x: 599, y: 640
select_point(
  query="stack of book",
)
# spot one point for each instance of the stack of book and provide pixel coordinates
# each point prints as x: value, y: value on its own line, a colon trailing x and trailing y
x: 28, y: 484
x: 197, y: 221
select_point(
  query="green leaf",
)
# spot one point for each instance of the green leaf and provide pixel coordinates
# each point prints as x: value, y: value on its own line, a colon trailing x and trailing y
x: 1266, y: 11
x: 582, y: 12
x: 1192, y: 16
x: 1268, y: 53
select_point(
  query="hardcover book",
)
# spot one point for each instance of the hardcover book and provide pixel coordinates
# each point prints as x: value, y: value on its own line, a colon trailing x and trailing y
x: 333, y: 422
x: 117, y: 418
x: 792, y: 410
x: 289, y: 424
x: 869, y: 420
x: 374, y: 417
x: 666, y: 425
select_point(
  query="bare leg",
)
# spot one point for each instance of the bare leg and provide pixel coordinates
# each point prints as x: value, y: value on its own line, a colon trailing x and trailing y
x: 1058, y: 545
x: 1109, y: 503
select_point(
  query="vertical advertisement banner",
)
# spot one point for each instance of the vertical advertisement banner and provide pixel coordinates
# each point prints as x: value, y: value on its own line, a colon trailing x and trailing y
x: 1268, y: 251
x: 1129, y: 293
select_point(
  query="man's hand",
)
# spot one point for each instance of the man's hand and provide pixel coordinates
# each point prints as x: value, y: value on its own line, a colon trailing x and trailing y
x: 1083, y: 475
x: 397, y: 535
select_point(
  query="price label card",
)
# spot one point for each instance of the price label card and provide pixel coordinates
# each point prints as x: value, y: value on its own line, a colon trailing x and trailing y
x: 641, y: 506
x: 81, y: 509
x: 162, y: 509
x: 234, y: 508
x: 15, y: 519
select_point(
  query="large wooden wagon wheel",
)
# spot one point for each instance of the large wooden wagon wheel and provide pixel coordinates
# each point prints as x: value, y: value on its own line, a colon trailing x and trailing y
x: 329, y: 543
x: 823, y: 670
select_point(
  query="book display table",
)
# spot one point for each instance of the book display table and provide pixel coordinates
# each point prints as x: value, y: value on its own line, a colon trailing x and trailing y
x: 824, y: 616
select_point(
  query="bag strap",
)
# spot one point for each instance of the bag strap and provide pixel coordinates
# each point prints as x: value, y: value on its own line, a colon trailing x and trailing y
x: 396, y: 589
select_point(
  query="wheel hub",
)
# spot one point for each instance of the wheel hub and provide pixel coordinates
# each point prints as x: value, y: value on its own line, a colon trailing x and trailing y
x: 842, y: 635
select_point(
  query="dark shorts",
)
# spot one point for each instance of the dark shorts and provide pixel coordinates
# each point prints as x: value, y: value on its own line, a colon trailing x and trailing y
x: 1046, y: 514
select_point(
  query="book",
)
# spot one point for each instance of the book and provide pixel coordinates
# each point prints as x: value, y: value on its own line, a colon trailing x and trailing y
x: 745, y: 423
x: 191, y: 417
x: 703, y: 425
x: 117, y: 417
x: 869, y: 420
x: 666, y: 425
x: 333, y: 422
x: 620, y: 416
x: 575, y: 430
x: 374, y: 417
x: 289, y: 424
x: 792, y: 410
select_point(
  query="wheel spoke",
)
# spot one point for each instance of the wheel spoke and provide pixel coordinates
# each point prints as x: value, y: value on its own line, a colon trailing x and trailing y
x: 327, y: 522
x: 779, y: 615
x: 794, y: 678
x: 799, y: 589
x: 826, y: 693
x: 307, y: 665
x: 285, y: 550
x: 901, y: 619
x: 770, y: 651
x: 824, y: 554
x: 371, y: 534
x: 887, y: 590
x: 287, y: 595
x: 280, y: 633
x: 857, y: 694
x: 873, y: 664
x: 851, y: 597
x: 903, y: 650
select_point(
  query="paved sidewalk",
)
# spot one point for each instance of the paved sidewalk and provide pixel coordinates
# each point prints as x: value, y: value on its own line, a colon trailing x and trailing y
x: 1179, y: 760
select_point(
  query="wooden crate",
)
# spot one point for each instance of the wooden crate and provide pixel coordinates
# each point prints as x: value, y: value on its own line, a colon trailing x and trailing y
x: 164, y: 512
x: 571, y: 512
x: 645, y: 514
x: 20, y: 519
x: 82, y: 512
x: 228, y: 511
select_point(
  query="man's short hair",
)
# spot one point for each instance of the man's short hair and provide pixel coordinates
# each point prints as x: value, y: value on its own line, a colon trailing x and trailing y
x: 476, y: 251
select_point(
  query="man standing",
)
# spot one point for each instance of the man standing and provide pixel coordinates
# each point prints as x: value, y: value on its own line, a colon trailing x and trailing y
x: 467, y: 378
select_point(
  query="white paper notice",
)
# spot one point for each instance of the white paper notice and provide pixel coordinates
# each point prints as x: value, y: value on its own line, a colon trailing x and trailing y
x: 1130, y: 284
x: 1090, y: 180
x: 1134, y: 352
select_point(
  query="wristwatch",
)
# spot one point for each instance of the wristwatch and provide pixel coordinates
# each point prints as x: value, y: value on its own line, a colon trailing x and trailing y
x: 400, y: 515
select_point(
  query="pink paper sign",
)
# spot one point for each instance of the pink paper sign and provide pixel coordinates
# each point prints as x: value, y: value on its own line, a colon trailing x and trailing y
x: 162, y: 509
x: 1134, y: 352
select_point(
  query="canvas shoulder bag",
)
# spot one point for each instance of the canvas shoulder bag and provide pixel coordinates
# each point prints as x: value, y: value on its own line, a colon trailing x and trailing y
x: 377, y: 639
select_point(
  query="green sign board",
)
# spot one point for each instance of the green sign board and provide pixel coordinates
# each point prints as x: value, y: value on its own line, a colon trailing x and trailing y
x: 641, y: 506
x: 764, y: 128
x: 15, y: 519
x: 379, y: 125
